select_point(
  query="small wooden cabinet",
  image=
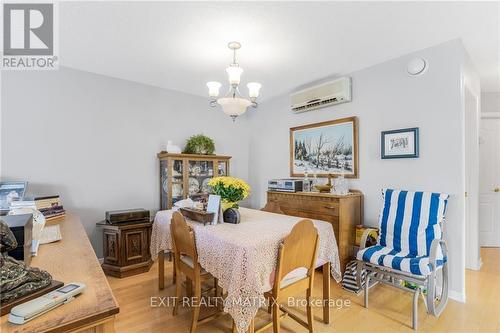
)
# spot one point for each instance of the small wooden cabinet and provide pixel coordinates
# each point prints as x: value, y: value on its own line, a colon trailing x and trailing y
x: 344, y: 212
x: 126, y: 248
x: 186, y: 176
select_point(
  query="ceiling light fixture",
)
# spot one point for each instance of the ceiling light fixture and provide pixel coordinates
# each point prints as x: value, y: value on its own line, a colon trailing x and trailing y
x: 233, y: 104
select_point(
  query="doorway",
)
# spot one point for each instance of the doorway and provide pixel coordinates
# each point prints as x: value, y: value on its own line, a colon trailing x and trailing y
x: 489, y: 181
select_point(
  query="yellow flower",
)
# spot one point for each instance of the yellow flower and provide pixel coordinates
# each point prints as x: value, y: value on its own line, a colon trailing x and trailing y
x: 231, y: 183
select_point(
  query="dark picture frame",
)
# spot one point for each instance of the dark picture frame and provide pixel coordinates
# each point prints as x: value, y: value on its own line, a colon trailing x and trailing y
x: 400, y: 143
x: 325, y: 148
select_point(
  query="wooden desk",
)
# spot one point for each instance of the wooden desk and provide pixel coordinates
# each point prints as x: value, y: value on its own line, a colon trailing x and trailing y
x: 73, y: 260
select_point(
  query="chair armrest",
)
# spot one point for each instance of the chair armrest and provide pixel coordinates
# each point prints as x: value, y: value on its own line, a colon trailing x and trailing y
x: 433, y: 251
x: 364, y: 237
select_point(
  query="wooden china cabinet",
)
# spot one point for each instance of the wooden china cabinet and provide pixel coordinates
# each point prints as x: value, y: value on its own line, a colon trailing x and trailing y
x: 186, y: 176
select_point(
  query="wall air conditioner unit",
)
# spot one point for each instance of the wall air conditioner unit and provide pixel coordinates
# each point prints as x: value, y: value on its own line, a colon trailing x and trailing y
x: 323, y: 95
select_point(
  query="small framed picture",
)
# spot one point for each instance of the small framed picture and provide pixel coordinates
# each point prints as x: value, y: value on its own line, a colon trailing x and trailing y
x: 11, y: 191
x: 401, y: 143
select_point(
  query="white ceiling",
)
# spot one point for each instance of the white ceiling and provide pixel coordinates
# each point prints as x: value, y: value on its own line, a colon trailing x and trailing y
x: 181, y: 46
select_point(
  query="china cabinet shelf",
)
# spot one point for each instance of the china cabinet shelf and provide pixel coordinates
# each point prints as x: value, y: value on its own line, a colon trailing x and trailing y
x: 187, y: 175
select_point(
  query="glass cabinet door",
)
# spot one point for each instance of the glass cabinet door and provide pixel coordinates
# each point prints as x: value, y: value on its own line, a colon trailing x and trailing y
x: 200, y: 172
x: 177, y: 180
x: 222, y: 168
x: 164, y: 184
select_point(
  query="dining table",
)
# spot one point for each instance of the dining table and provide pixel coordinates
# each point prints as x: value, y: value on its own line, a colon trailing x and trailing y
x: 243, y: 257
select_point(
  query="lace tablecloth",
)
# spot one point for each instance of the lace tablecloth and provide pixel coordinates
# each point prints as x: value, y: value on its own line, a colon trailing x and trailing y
x: 243, y: 256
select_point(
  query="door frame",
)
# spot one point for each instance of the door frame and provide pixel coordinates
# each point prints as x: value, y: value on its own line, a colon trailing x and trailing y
x: 471, y: 137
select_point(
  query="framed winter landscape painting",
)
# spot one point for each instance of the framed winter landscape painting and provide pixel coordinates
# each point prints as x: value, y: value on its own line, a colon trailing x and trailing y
x: 329, y: 147
x: 401, y: 143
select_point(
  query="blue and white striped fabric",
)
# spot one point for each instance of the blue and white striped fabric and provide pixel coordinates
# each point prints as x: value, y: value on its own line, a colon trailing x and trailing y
x: 408, y: 223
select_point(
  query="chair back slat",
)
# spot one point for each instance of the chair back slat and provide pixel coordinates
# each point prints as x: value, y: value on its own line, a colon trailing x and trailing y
x: 410, y: 221
x: 183, y: 237
x: 298, y: 249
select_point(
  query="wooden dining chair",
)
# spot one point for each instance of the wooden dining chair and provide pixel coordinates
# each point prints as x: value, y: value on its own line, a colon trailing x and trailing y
x: 294, y: 274
x: 186, y: 263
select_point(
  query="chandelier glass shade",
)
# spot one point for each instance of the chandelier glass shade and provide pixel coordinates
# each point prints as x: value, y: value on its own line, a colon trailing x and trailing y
x: 233, y: 104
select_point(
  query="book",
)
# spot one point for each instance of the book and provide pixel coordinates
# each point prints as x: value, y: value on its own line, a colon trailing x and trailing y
x: 14, y: 205
x: 46, y: 197
x: 51, y: 214
x: 55, y: 216
x: 45, y: 201
x: 47, y: 204
x: 22, y: 203
x: 53, y: 209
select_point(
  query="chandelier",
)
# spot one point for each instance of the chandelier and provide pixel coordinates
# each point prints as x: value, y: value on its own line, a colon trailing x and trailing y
x: 233, y: 104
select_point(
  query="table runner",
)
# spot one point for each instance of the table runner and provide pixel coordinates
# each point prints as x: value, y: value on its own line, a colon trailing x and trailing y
x: 243, y: 256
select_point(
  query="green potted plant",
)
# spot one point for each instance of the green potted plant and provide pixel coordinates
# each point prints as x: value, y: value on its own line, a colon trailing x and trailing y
x: 199, y: 144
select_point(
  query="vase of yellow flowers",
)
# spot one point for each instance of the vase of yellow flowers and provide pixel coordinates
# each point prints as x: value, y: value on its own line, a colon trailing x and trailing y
x: 231, y: 190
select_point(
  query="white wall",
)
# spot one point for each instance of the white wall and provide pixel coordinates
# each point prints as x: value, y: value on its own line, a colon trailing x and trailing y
x: 94, y: 139
x: 384, y: 98
x: 490, y: 102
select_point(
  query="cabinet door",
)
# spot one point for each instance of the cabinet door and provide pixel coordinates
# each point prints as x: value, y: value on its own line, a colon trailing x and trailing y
x: 111, y: 247
x: 176, y: 181
x: 164, y: 187
x: 222, y: 168
x: 135, y: 246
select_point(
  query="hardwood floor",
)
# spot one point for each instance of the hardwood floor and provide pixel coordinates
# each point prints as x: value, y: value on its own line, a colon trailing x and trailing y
x: 390, y: 309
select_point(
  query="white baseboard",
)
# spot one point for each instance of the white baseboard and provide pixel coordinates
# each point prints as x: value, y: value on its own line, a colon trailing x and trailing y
x: 101, y: 260
x: 456, y: 296
x: 477, y: 265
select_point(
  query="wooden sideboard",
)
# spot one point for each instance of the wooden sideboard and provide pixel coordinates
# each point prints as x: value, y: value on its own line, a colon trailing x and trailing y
x: 72, y: 259
x: 343, y: 212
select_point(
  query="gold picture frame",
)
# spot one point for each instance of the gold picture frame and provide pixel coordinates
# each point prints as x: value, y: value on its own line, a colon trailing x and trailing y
x: 328, y: 147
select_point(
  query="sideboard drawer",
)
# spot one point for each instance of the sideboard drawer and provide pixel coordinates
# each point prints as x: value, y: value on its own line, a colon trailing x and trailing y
x: 322, y: 207
x: 328, y: 206
x: 314, y: 216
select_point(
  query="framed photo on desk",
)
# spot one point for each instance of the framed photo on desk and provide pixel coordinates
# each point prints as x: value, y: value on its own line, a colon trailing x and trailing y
x: 11, y: 191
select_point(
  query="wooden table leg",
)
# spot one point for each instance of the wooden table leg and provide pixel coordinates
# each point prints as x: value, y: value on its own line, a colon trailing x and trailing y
x: 174, y: 274
x: 161, y: 270
x: 326, y: 293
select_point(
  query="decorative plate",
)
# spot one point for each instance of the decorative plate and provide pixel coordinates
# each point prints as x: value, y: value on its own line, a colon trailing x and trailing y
x: 176, y: 190
x: 204, y: 185
x: 196, y: 170
x: 194, y: 186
